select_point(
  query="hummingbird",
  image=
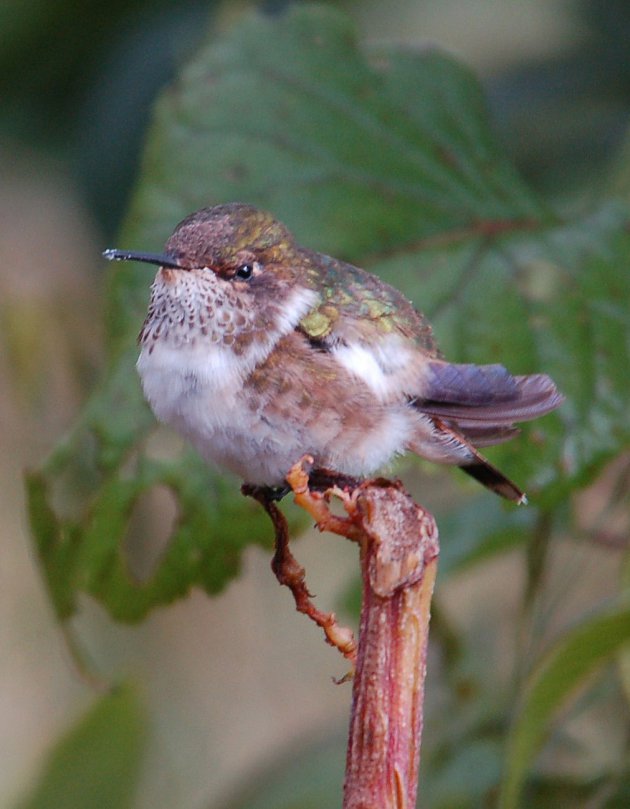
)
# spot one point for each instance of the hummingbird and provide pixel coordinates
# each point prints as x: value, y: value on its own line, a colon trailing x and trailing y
x: 260, y: 351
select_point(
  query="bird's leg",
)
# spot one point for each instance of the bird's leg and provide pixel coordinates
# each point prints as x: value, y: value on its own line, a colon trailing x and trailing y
x: 313, y: 492
x: 265, y: 494
x: 291, y: 574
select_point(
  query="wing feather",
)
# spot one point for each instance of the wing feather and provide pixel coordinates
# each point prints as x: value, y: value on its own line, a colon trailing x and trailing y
x: 488, y: 394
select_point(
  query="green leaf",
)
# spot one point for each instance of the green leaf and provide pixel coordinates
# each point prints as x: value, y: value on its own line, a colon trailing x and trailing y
x: 621, y: 797
x: 478, y: 529
x: 358, y: 151
x: 564, y: 669
x: 467, y: 778
x: 381, y: 156
x: 97, y: 763
x: 86, y: 556
x: 548, y: 792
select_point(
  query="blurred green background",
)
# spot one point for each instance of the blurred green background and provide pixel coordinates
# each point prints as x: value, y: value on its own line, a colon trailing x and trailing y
x: 238, y: 688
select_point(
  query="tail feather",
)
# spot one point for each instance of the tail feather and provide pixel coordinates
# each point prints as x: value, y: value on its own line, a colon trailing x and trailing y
x: 488, y: 475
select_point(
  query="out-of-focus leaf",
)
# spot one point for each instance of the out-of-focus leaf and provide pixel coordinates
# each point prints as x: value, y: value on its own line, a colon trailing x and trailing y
x: 478, y: 529
x: 97, y: 763
x: 621, y: 797
x: 204, y: 548
x: 307, y: 778
x: 556, y: 678
x: 565, y: 792
x: 466, y: 779
x: 359, y: 152
x: 383, y: 157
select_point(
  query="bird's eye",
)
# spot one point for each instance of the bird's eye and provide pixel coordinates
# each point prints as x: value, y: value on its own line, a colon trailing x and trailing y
x: 245, y: 271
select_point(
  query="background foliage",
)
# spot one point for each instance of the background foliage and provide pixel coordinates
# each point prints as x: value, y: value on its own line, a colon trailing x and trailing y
x: 387, y: 157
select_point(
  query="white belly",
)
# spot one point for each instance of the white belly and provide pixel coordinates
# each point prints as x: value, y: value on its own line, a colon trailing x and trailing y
x: 199, y: 394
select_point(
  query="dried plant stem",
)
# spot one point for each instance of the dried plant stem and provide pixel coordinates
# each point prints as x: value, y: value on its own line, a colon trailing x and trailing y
x: 398, y: 571
x: 398, y: 552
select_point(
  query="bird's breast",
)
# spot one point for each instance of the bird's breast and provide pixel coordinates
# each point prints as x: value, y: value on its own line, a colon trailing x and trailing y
x: 189, y: 386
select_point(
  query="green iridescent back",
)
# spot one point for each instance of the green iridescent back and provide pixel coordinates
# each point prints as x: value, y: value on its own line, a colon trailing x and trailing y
x: 357, y: 305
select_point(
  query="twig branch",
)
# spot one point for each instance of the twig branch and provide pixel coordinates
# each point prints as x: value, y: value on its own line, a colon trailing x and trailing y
x: 398, y: 566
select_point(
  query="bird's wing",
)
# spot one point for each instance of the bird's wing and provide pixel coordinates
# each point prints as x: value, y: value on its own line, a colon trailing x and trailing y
x: 371, y: 329
x: 356, y: 306
x: 483, y: 398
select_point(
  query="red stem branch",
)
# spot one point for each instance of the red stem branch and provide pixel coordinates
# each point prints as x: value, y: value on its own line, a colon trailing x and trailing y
x: 398, y: 566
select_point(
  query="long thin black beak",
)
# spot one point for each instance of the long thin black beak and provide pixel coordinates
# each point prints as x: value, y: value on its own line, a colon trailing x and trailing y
x: 161, y: 259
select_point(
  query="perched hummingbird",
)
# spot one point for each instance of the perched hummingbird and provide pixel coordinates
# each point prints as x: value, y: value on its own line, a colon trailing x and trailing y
x: 260, y: 351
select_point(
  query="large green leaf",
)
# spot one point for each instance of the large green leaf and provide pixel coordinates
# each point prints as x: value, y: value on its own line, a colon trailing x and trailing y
x: 359, y: 152
x: 556, y: 678
x: 97, y: 763
x: 380, y: 156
